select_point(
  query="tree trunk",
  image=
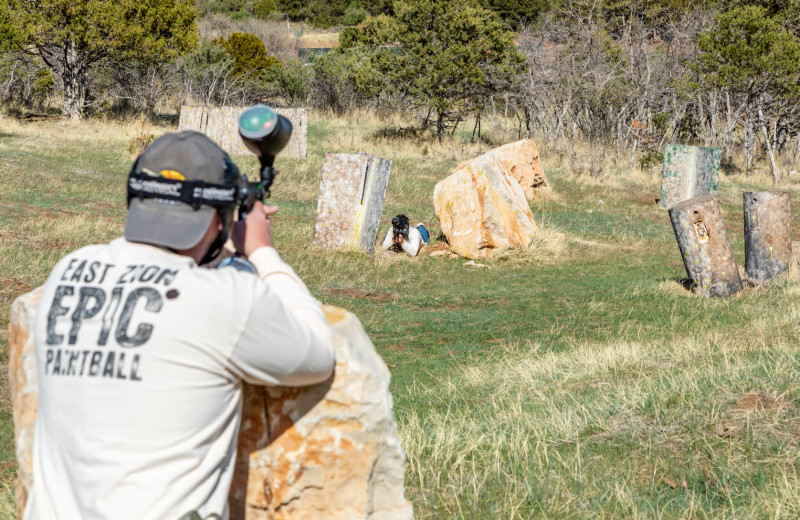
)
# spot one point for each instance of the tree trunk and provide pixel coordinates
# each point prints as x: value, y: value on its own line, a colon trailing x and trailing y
x: 702, y: 118
x: 633, y: 153
x: 10, y: 80
x: 560, y: 120
x: 703, y: 242
x: 768, y: 144
x: 440, y: 126
x: 74, y: 78
x: 748, y: 142
x: 730, y: 122
x: 528, y: 123
x: 505, y: 117
x: 767, y: 233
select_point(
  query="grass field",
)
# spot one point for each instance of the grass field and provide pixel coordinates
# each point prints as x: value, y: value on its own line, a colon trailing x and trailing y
x: 577, y: 380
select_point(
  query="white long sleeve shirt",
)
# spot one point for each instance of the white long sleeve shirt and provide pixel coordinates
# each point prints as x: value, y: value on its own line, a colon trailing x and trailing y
x: 410, y: 246
x: 141, y: 354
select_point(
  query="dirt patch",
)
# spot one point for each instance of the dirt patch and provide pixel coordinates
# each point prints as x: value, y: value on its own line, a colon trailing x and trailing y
x: 743, y: 415
x: 105, y: 204
x: 11, y: 288
x: 319, y: 41
x: 441, y: 246
x: 362, y: 293
x: 20, y: 208
x: 759, y: 402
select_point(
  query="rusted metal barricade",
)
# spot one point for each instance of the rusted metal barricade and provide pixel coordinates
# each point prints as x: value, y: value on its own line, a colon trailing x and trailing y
x: 767, y: 233
x: 706, y: 251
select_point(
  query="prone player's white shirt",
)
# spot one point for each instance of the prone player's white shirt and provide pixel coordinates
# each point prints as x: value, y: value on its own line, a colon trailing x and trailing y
x: 140, y: 355
x: 410, y: 246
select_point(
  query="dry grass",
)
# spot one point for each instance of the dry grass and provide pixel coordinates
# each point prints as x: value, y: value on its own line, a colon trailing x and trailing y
x: 277, y: 39
x: 548, y: 246
x: 8, y: 504
x: 527, y: 427
x: 55, y: 134
x: 320, y: 40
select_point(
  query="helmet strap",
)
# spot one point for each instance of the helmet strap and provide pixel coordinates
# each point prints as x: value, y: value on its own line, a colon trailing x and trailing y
x: 226, y: 216
x: 215, y: 248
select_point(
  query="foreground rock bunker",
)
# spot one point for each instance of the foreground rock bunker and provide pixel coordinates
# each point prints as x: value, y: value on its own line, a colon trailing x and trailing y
x: 482, y: 205
x: 325, y: 451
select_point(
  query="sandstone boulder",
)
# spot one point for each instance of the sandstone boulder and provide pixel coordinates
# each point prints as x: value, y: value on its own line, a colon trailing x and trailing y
x: 482, y: 208
x: 24, y: 389
x: 326, y: 451
x: 521, y: 161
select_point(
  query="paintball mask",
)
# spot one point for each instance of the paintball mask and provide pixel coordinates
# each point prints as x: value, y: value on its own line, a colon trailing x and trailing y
x: 400, y: 226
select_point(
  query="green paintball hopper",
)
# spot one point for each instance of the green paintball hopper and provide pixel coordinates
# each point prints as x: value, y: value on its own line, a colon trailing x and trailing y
x: 264, y: 132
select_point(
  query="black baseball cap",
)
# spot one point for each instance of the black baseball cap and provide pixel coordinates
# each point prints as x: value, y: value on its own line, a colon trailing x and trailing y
x: 186, y: 155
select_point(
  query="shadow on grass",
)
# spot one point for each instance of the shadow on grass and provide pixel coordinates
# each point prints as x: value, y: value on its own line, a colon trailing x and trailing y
x: 31, y: 114
x: 685, y: 282
x: 165, y: 119
x: 400, y: 133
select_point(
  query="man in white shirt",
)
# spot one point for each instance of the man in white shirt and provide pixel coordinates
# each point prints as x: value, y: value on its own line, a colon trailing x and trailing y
x: 141, y: 352
x: 403, y: 237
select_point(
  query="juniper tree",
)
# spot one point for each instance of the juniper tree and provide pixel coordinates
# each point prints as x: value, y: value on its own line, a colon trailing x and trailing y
x: 448, y: 57
x: 8, y: 35
x: 753, y: 56
x: 75, y: 38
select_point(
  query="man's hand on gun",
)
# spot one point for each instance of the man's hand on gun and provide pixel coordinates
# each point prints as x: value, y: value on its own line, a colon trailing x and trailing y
x: 255, y: 231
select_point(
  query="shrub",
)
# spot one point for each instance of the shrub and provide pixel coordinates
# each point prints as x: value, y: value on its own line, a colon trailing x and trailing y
x: 450, y: 58
x: 271, y: 32
x: 240, y: 15
x: 333, y: 84
x: 221, y: 6
x: 354, y: 14
x: 264, y: 8
x: 250, y: 56
x: 651, y: 159
x: 139, y: 143
x: 293, y: 82
x: 205, y: 71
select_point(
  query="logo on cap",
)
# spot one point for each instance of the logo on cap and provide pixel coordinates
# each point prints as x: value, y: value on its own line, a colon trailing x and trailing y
x: 172, y: 174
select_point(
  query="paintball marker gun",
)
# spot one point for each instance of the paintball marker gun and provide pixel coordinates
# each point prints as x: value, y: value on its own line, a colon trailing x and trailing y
x: 265, y: 133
